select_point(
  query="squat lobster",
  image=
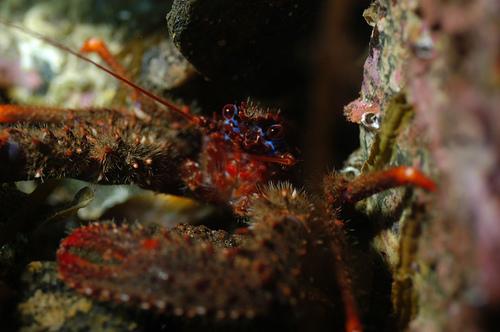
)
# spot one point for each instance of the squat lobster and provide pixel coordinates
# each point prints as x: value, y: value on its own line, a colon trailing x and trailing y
x: 191, y: 271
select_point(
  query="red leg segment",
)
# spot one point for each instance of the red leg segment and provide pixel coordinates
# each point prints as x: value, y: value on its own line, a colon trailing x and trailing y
x: 372, y: 183
x: 4, y: 137
x: 352, y: 321
x: 98, y: 46
x: 14, y: 113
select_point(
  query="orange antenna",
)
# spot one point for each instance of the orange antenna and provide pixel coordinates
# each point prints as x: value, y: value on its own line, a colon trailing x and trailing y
x: 179, y: 110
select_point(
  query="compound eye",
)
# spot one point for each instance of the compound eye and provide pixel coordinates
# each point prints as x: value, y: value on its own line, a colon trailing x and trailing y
x: 229, y: 111
x: 275, y: 132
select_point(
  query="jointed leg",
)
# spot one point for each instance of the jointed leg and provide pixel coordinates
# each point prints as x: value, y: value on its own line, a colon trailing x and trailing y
x: 4, y: 137
x: 98, y: 46
x: 352, y: 320
x: 340, y: 191
x: 15, y: 113
x: 369, y: 184
x: 42, y: 114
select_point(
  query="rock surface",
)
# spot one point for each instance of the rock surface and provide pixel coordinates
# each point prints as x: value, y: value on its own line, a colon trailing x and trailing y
x: 49, y: 305
x: 443, y: 56
x: 248, y: 42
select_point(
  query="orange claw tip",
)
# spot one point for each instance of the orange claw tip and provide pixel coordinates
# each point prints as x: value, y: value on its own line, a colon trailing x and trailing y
x: 92, y: 44
x: 412, y: 176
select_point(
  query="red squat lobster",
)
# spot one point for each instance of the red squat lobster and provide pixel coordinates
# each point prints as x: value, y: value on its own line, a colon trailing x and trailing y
x: 189, y: 270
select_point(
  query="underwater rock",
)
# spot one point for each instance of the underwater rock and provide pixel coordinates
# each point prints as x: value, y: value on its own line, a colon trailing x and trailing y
x: 443, y: 57
x: 165, y: 68
x: 48, y: 305
x: 242, y: 41
x: 34, y: 72
x: 133, y: 15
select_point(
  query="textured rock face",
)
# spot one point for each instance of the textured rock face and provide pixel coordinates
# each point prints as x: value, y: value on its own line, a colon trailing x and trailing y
x: 47, y: 304
x: 242, y: 40
x: 457, y: 93
x: 37, y: 73
x: 444, y: 57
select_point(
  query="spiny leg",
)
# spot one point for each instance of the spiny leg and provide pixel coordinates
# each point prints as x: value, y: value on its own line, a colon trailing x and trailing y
x: 106, y: 149
x: 352, y: 320
x: 340, y: 191
x: 340, y: 253
x: 14, y: 113
x: 327, y: 237
x: 372, y: 183
x: 98, y: 46
x: 187, y: 271
x: 43, y: 114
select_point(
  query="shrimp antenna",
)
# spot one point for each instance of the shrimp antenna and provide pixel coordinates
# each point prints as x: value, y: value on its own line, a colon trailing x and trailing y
x: 128, y: 82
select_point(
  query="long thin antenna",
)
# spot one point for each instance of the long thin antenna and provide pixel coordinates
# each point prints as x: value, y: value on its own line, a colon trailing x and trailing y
x: 163, y: 101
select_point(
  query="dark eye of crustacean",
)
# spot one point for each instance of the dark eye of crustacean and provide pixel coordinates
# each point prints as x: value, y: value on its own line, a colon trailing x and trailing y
x: 275, y: 132
x: 229, y: 111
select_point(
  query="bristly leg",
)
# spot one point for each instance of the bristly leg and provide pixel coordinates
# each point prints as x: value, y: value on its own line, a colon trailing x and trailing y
x: 340, y: 191
x: 98, y: 46
x: 283, y: 263
x: 96, y: 145
x: 11, y: 114
x: 339, y: 250
x: 294, y: 253
x: 193, y: 271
